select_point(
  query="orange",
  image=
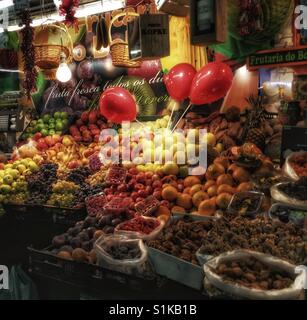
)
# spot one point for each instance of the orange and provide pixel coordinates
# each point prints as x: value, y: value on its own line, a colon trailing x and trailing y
x: 195, y: 188
x: 198, y: 197
x: 208, y: 184
x: 223, y: 200
x: 225, y: 188
x: 184, y: 200
x: 191, y: 181
x: 169, y: 193
x: 212, y: 191
x: 225, y: 179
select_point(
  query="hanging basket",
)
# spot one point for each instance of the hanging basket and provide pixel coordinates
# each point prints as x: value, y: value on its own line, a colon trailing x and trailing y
x: 120, y: 49
x: 48, y: 48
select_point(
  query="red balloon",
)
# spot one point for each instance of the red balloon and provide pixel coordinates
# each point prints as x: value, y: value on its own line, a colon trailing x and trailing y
x: 211, y: 83
x: 117, y: 105
x: 178, y: 81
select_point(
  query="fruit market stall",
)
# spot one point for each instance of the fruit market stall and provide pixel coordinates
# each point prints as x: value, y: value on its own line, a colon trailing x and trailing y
x: 132, y: 176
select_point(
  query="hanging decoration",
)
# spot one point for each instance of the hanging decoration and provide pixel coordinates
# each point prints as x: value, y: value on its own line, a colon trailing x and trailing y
x: 68, y: 9
x: 28, y: 52
x: 250, y: 17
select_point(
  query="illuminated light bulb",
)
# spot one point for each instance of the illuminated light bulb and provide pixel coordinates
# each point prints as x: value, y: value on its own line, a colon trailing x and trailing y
x: 63, y: 74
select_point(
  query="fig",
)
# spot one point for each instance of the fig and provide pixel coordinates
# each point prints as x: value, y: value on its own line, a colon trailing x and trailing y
x: 75, y: 242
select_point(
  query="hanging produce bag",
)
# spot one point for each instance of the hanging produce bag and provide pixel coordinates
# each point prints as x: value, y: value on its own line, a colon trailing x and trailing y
x: 121, y: 254
x: 236, y: 289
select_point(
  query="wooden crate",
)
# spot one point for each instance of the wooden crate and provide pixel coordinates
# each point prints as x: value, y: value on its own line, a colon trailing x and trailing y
x: 178, y: 8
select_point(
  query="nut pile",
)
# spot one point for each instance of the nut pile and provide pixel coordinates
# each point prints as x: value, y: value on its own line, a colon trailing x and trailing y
x: 284, y: 241
x: 182, y: 239
x: 254, y: 274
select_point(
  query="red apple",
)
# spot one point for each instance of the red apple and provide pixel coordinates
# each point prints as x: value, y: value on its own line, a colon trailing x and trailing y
x: 79, y: 123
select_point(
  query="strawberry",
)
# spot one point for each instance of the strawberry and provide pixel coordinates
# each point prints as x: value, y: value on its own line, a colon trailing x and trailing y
x: 92, y: 126
x: 74, y: 130
x: 37, y: 136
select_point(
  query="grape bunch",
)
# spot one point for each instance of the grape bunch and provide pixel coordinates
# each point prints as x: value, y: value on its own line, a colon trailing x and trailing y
x: 40, y: 183
x: 79, y: 175
x: 84, y: 192
x: 63, y: 194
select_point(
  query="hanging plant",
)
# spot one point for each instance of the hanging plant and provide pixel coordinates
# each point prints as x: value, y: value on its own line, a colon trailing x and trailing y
x: 28, y: 53
x: 68, y: 9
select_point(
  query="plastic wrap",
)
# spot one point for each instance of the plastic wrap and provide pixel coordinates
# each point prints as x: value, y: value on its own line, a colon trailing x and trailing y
x: 295, y: 291
x: 127, y: 266
x: 287, y: 168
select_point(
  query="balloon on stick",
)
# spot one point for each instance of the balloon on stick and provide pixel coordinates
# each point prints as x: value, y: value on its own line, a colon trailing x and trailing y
x: 210, y: 84
x: 178, y: 83
x: 117, y: 105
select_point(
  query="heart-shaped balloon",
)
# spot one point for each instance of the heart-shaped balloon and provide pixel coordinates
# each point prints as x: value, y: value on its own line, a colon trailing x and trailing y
x: 117, y: 105
x: 211, y: 83
x: 178, y: 81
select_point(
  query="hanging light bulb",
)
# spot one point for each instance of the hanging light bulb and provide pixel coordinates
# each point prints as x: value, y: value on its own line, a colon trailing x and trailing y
x: 63, y: 74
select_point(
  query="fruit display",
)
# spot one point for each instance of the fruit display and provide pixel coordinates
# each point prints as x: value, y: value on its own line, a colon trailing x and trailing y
x: 13, y: 181
x: 87, y: 129
x: 253, y: 274
x: 40, y: 183
x: 182, y: 239
x: 48, y: 125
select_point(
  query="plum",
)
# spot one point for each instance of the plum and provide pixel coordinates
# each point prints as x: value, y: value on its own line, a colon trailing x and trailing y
x: 89, y: 222
x: 75, y: 242
x: 59, y: 241
x: 90, y: 231
x: 108, y: 229
x: 83, y: 236
x: 116, y: 222
x: 86, y: 246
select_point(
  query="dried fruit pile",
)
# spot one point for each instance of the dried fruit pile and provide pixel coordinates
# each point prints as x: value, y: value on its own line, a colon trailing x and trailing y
x: 182, y: 239
x: 123, y: 251
x: 254, y: 274
x: 281, y: 240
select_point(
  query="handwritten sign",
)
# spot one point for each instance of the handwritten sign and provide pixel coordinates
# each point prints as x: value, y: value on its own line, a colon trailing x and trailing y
x: 285, y: 57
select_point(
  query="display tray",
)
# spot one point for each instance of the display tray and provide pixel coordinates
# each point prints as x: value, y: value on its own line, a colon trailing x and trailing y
x: 176, y: 269
x: 24, y: 211
x: 65, y: 216
x: 43, y: 262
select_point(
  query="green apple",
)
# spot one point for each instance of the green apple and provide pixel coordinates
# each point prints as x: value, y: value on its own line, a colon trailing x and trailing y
x: 65, y: 122
x: 57, y: 115
x: 46, y: 118
x: 2, y: 173
x: 24, y: 162
x: 59, y: 126
x: 64, y: 115
x: 51, y: 125
x: 44, y: 132
x: 32, y: 166
x: 40, y: 121
x: 21, y: 168
x: 15, y: 173
x: 5, y: 189
x: 16, y: 164
x: 51, y: 132
x: 8, y: 179
x: 8, y: 166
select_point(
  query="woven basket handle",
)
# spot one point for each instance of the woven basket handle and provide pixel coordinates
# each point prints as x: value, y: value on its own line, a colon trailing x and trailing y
x: 63, y: 29
x: 118, y: 16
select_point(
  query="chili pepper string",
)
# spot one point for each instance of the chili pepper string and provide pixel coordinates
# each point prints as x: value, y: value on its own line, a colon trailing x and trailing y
x: 28, y: 51
x: 68, y: 9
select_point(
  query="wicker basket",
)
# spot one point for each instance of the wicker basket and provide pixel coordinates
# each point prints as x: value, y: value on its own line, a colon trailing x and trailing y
x: 48, y: 55
x: 120, y: 49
